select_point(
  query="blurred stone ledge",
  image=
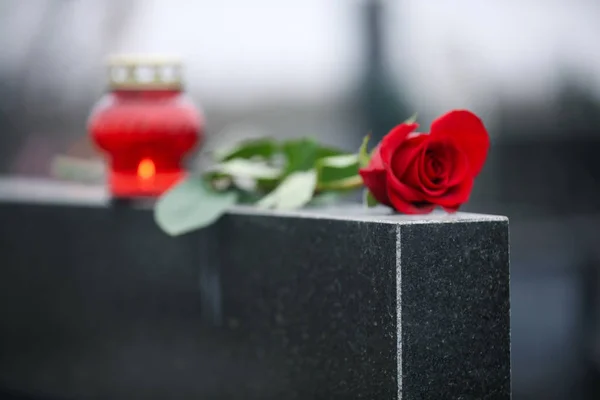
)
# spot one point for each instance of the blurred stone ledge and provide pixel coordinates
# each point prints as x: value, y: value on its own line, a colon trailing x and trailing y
x: 345, y: 303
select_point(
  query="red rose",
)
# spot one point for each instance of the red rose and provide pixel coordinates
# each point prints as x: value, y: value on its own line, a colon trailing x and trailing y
x: 415, y: 172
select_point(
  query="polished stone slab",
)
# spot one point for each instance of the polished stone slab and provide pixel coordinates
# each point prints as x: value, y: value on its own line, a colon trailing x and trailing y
x: 346, y: 303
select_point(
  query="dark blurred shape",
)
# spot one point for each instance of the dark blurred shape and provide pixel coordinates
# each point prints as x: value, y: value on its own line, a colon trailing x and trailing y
x: 381, y: 103
x: 590, y: 327
x: 546, y: 158
x: 7, y: 394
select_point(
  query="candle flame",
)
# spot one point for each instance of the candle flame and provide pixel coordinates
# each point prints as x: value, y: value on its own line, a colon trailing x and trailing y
x: 146, y: 169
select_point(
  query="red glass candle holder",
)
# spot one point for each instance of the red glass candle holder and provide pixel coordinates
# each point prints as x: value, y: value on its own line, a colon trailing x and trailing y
x: 145, y: 125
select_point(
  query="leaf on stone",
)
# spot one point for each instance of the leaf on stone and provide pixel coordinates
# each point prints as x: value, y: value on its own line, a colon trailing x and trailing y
x: 337, y: 168
x: 325, y: 151
x: 192, y: 204
x: 340, y: 161
x: 300, y: 154
x: 248, y: 198
x: 243, y: 168
x: 293, y: 192
x: 369, y: 200
x: 260, y: 147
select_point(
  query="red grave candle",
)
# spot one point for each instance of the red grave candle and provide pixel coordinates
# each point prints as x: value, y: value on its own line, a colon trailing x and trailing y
x: 145, y: 125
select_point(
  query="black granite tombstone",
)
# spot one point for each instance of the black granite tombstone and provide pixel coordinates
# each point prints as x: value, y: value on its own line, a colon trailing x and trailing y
x: 97, y: 303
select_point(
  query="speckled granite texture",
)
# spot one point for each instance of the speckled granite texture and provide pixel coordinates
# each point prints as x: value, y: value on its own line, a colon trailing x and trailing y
x: 96, y: 303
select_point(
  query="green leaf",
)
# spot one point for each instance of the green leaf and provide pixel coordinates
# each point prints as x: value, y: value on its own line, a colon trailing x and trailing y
x: 363, y: 155
x: 324, y: 151
x: 192, y: 204
x: 248, y: 198
x: 242, y: 168
x: 294, y: 192
x: 369, y: 200
x: 345, y: 184
x: 341, y: 161
x: 301, y: 154
x: 412, y: 119
x: 250, y: 148
x: 337, y: 168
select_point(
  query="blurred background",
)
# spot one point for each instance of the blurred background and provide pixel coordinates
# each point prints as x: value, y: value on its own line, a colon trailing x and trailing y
x: 337, y: 69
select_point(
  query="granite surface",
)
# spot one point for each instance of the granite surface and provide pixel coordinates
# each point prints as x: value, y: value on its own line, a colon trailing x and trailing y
x: 454, y: 310
x: 97, y: 303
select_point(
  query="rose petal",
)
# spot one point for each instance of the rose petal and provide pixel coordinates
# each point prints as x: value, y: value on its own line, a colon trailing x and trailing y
x: 453, y: 209
x: 376, y: 162
x: 375, y: 181
x: 393, y: 140
x: 403, y: 190
x: 435, y: 168
x: 459, y: 168
x: 457, y: 194
x: 469, y: 133
x: 459, y: 181
x: 406, y: 154
x: 415, y: 134
x: 411, y: 174
x: 406, y: 199
x: 421, y: 175
x: 430, y: 188
x: 452, y: 163
x: 373, y: 177
x: 405, y: 207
